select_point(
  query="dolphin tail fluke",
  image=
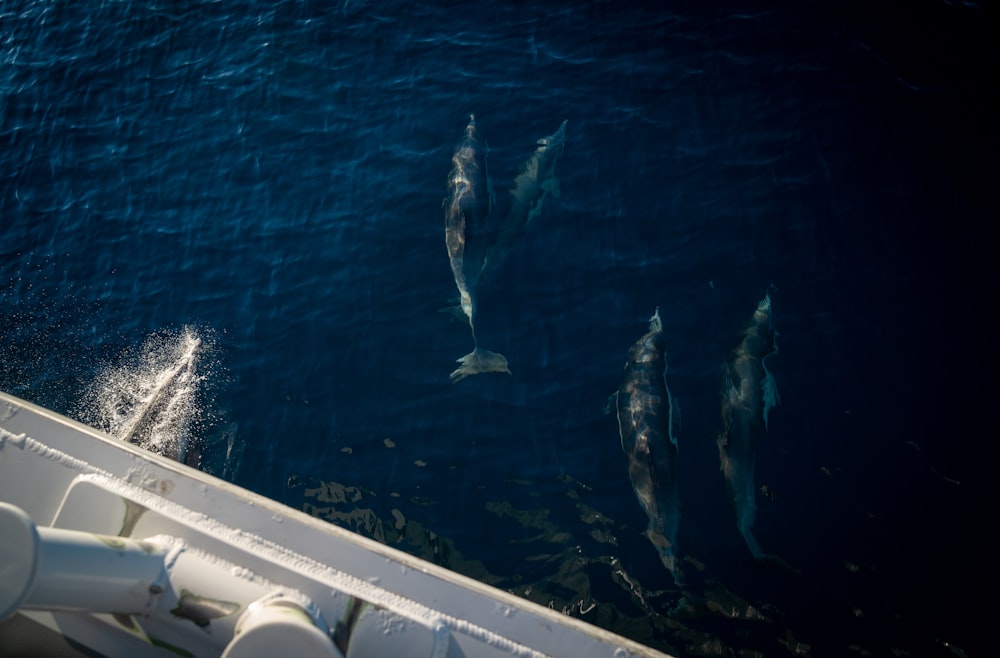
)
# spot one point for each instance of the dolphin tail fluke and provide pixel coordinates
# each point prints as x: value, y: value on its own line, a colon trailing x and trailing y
x: 681, y: 607
x: 665, y: 540
x: 739, y: 479
x: 479, y: 361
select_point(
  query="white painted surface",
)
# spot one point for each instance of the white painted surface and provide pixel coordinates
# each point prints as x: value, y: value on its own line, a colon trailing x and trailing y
x: 70, y: 476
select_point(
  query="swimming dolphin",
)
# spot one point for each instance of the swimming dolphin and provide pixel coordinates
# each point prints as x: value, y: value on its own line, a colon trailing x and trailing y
x: 748, y: 395
x: 170, y: 388
x: 645, y: 411
x: 531, y: 187
x: 467, y: 208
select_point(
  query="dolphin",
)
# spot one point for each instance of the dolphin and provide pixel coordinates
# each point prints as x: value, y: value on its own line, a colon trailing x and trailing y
x: 467, y: 208
x: 170, y: 389
x: 748, y: 395
x: 531, y: 187
x: 645, y: 411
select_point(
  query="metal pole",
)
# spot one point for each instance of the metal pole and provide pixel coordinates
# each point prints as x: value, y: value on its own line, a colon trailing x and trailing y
x: 74, y: 570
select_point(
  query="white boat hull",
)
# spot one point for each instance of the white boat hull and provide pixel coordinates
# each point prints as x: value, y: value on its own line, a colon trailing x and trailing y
x: 232, y: 548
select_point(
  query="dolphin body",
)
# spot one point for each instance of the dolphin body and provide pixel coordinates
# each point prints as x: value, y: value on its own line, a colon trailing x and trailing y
x: 171, y: 386
x: 467, y: 209
x: 748, y: 395
x: 645, y: 411
x: 531, y: 187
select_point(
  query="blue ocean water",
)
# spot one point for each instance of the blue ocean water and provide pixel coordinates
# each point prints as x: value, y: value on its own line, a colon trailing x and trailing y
x: 272, y: 175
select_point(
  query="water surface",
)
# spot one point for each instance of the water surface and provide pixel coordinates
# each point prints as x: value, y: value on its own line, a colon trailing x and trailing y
x: 272, y: 175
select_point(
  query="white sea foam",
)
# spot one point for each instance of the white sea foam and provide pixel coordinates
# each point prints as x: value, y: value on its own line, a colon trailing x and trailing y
x: 151, y: 397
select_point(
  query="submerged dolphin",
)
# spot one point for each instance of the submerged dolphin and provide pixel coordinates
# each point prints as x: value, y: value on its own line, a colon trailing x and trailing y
x: 171, y: 385
x: 467, y: 208
x: 748, y: 395
x: 531, y: 187
x: 645, y: 413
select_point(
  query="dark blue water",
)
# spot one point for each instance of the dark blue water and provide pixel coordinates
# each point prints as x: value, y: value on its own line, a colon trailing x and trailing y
x: 272, y: 175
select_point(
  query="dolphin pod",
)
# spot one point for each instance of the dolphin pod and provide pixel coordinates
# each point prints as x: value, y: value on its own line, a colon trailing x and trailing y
x: 748, y: 395
x: 645, y: 411
x: 467, y: 232
x: 644, y: 407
